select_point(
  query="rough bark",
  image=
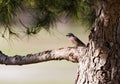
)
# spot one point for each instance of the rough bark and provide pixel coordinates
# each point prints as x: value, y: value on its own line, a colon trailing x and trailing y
x: 102, y: 65
x: 99, y: 62
x: 70, y: 54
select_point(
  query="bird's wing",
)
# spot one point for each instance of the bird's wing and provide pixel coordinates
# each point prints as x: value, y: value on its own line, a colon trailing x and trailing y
x: 80, y: 42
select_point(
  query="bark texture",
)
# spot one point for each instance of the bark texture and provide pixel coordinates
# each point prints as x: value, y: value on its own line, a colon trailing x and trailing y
x: 71, y: 54
x: 101, y: 65
x: 99, y: 62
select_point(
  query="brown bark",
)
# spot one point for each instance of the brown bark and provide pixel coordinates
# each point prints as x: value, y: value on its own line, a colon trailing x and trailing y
x: 102, y: 65
x: 99, y: 62
x: 70, y: 54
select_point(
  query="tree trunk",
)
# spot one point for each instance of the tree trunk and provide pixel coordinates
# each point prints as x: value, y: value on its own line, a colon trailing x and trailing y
x: 101, y: 64
x: 99, y: 61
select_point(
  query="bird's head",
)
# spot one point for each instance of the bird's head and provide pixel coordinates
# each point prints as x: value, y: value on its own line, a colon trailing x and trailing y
x: 70, y: 35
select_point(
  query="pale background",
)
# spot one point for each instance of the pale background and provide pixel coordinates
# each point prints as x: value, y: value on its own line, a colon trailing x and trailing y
x: 52, y: 72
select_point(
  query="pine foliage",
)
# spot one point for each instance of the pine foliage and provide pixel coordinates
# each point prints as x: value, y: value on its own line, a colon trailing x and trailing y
x: 45, y: 13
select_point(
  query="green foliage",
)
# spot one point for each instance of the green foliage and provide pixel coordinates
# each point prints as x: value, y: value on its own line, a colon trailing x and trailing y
x: 8, y: 11
x: 86, y: 12
x: 46, y: 12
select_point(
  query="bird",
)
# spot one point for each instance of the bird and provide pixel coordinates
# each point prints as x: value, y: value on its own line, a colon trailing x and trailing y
x: 76, y: 41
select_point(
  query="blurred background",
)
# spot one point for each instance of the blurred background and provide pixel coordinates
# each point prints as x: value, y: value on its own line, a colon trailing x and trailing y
x: 52, y: 72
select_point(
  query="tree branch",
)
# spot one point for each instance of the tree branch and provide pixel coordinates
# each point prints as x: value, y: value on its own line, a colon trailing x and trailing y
x: 71, y: 54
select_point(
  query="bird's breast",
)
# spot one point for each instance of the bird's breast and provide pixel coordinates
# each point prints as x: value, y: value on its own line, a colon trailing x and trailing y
x: 74, y: 42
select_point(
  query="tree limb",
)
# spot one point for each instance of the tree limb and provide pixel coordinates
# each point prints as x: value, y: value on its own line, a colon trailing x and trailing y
x: 70, y: 54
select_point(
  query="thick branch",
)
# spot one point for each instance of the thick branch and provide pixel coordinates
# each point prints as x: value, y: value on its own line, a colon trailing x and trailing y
x: 70, y: 54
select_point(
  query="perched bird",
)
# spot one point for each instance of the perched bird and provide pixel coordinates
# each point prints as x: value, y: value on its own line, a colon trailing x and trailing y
x: 77, y: 42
